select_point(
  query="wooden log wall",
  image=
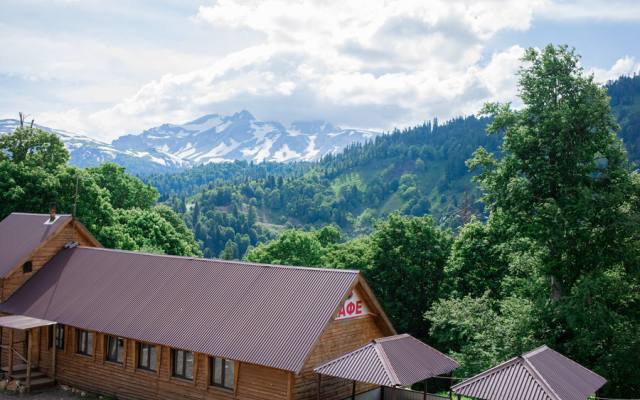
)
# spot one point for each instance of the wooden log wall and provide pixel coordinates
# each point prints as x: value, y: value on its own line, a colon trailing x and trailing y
x: 47, y: 250
x: 342, y: 336
x: 125, y: 381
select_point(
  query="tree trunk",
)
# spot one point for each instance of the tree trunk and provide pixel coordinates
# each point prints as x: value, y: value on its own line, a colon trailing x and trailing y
x: 556, y: 290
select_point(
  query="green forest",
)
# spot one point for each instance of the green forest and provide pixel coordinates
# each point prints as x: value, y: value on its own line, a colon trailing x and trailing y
x: 541, y: 249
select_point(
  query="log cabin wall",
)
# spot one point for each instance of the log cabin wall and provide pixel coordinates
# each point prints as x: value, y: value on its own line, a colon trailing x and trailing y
x: 342, y: 336
x: 47, y: 250
x: 125, y: 381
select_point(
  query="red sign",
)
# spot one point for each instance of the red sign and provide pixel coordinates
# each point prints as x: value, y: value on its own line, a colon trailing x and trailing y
x: 354, y: 307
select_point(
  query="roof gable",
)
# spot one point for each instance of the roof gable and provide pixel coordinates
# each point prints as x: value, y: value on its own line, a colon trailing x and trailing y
x: 21, y: 234
x: 263, y: 314
x: 399, y: 360
x: 542, y: 374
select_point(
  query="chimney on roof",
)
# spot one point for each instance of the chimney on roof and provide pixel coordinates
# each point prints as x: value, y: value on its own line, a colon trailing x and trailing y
x: 52, y: 213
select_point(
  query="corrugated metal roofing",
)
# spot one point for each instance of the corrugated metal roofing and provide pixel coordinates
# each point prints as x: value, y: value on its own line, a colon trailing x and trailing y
x: 21, y: 322
x: 395, y: 360
x: 263, y: 314
x: 542, y: 374
x: 20, y: 234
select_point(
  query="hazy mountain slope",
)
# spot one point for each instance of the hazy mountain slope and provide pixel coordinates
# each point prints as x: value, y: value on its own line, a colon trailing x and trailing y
x: 216, y: 138
x: 85, y: 151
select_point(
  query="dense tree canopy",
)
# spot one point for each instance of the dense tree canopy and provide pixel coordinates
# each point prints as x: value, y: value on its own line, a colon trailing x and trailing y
x: 564, y: 229
x: 115, y: 207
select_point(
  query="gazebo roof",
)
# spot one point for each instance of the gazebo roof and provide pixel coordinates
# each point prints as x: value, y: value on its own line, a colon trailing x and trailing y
x: 541, y: 374
x: 400, y: 360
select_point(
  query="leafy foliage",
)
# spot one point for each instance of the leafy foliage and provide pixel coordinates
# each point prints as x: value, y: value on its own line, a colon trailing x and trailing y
x: 115, y: 207
x: 563, y: 230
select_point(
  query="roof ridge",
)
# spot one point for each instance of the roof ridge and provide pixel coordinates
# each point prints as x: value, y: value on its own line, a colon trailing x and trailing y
x: 345, y: 355
x: 386, y: 364
x: 486, y: 373
x: 535, y: 351
x: 434, y: 349
x: 40, y: 215
x: 562, y: 355
x: 390, y: 338
x: 347, y: 271
x: 541, y: 378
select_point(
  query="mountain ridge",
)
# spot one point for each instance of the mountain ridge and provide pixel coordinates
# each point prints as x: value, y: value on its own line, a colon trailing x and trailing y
x: 216, y: 138
x: 210, y: 138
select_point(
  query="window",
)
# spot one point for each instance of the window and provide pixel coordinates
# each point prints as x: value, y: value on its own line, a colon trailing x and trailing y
x: 221, y: 372
x: 115, y: 349
x: 182, y: 364
x: 59, y: 336
x: 49, y: 336
x: 26, y: 267
x: 85, y: 342
x: 147, y: 356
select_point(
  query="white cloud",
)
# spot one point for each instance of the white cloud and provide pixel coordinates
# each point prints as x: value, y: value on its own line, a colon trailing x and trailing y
x: 420, y: 59
x: 611, y: 10
x: 624, y: 66
x: 69, y: 121
x: 371, y: 64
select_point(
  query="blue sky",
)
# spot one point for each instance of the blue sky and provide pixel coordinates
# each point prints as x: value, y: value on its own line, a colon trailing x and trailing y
x: 110, y: 68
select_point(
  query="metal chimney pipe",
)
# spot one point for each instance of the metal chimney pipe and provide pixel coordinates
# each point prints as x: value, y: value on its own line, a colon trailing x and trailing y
x: 52, y: 213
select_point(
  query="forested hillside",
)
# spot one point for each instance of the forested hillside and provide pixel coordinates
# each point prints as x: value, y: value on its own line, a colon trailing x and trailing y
x: 625, y: 101
x: 414, y: 171
x: 417, y: 171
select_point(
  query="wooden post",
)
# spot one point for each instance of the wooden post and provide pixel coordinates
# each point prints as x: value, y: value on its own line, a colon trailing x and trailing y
x: 0, y: 346
x: 424, y: 395
x: 158, y: 360
x: 195, y: 368
x: 289, y: 386
x: 353, y: 392
x: 458, y: 396
x: 450, y: 383
x: 318, y: 388
x: 29, y: 357
x: 10, y: 353
x: 53, y: 348
x: 37, y: 339
x: 393, y: 393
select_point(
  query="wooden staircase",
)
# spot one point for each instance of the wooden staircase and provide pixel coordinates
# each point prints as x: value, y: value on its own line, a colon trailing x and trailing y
x: 39, y: 381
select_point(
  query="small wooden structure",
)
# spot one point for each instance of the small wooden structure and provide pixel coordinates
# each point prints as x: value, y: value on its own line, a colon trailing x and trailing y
x: 396, y: 361
x: 28, y: 325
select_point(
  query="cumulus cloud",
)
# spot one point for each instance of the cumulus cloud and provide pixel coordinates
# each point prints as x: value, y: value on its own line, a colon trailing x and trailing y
x: 396, y: 62
x: 610, y: 10
x: 624, y: 66
x: 371, y: 64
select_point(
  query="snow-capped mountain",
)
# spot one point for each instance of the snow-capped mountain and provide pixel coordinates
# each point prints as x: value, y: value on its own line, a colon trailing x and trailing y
x: 215, y: 138
x: 212, y: 138
x: 85, y: 151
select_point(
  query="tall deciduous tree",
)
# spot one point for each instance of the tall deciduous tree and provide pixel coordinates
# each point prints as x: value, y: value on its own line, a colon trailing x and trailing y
x: 564, y: 180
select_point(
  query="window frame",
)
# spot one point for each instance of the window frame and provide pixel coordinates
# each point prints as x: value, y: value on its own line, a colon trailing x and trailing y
x: 107, y: 343
x: 174, y: 364
x: 27, y: 267
x: 140, y: 364
x: 212, y: 370
x: 88, y: 349
x: 60, y: 337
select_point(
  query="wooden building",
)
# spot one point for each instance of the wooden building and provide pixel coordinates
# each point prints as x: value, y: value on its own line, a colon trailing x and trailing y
x: 145, y: 326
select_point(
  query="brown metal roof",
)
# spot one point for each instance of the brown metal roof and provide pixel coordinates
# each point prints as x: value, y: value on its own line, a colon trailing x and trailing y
x: 542, y: 374
x: 21, y: 322
x: 263, y: 314
x: 20, y: 234
x: 400, y: 360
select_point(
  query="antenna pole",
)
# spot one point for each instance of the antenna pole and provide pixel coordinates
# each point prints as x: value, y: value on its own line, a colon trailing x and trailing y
x: 75, y: 205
